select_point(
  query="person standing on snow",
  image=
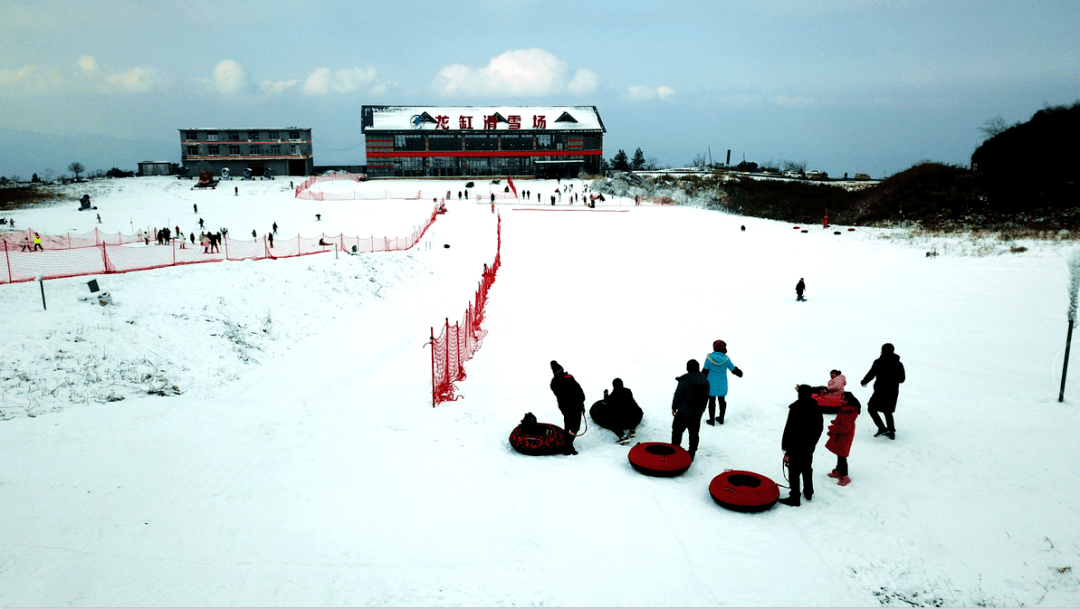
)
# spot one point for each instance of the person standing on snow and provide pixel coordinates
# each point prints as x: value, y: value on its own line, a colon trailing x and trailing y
x: 571, y: 400
x: 799, y: 289
x: 841, y: 433
x: 717, y: 365
x: 801, y: 434
x: 889, y: 373
x: 688, y: 404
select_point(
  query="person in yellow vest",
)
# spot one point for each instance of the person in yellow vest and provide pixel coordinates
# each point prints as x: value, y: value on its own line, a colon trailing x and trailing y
x: 37, y: 242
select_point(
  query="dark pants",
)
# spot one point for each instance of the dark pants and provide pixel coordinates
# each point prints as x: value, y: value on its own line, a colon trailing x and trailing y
x: 690, y: 423
x: 888, y: 425
x: 713, y: 402
x: 801, y: 465
x: 841, y: 465
x: 571, y: 423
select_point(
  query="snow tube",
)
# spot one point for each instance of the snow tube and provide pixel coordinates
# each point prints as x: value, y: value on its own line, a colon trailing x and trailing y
x: 830, y: 404
x: 743, y: 491
x: 603, y: 416
x: 544, y: 439
x: 659, y: 459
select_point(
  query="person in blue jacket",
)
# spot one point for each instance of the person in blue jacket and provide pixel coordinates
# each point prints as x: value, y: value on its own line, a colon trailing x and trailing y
x: 716, y: 367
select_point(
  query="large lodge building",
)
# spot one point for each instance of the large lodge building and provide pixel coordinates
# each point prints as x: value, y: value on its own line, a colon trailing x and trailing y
x: 547, y: 141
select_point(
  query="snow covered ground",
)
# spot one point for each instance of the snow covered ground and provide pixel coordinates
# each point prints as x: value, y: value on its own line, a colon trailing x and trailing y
x: 298, y: 460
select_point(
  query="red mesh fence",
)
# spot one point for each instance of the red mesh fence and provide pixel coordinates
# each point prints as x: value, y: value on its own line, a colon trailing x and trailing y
x: 119, y: 254
x: 303, y: 191
x: 458, y: 343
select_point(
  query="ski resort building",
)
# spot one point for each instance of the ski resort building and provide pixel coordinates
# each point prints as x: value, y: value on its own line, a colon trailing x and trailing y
x: 285, y: 151
x: 541, y: 141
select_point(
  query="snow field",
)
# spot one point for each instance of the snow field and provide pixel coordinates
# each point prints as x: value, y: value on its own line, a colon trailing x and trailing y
x: 315, y: 472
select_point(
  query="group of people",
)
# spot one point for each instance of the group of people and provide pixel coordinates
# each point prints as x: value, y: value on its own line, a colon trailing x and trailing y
x: 702, y: 389
x: 25, y: 247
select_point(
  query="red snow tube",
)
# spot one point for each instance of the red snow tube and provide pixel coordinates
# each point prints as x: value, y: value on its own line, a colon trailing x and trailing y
x: 659, y: 459
x: 744, y: 491
x: 544, y: 439
x: 830, y: 402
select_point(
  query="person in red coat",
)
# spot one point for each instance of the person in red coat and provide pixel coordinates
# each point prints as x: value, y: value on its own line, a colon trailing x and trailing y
x: 841, y: 433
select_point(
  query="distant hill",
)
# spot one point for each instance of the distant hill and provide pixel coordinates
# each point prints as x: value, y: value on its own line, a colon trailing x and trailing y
x: 24, y: 153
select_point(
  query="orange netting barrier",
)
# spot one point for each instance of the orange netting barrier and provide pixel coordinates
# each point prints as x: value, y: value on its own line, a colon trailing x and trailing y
x: 458, y: 343
x: 303, y: 192
x: 119, y: 254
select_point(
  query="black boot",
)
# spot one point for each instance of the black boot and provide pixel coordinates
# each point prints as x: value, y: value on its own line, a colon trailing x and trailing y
x: 792, y: 500
x: 720, y: 419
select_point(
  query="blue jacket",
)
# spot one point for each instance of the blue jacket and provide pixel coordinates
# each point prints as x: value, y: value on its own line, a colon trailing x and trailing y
x: 716, y: 366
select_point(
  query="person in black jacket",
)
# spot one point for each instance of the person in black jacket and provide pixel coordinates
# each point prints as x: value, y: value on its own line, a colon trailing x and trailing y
x: 571, y: 401
x: 889, y: 373
x: 618, y: 412
x: 801, y: 434
x: 691, y: 397
x: 799, y: 289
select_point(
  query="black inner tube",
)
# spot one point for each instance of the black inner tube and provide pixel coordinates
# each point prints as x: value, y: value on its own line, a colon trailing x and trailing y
x: 744, y: 480
x: 660, y: 449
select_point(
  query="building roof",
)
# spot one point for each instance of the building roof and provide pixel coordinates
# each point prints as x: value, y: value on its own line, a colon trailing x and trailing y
x: 244, y: 129
x: 426, y: 118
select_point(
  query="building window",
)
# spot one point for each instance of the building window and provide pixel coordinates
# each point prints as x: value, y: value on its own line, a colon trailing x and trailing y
x: 193, y: 150
x: 212, y: 150
x: 294, y: 135
x: 234, y: 150
x: 543, y: 140
x: 211, y: 136
x: 234, y: 136
x: 295, y: 149
x: 253, y: 136
x: 275, y: 150
x: 254, y: 149
x: 399, y: 142
x: 272, y: 135
x: 191, y: 136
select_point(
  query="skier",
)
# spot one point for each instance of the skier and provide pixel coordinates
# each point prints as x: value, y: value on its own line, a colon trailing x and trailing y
x: 196, y: 206
x: 275, y: 228
x: 889, y: 373
x: 799, y: 289
x: 270, y: 237
x: 801, y: 434
x: 37, y: 243
x: 618, y: 412
x: 688, y: 405
x: 571, y: 400
x: 201, y: 225
x: 717, y: 364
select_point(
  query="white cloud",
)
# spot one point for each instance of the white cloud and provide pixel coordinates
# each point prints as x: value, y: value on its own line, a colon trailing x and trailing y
x: 276, y: 87
x: 643, y: 93
x: 583, y: 83
x: 87, y: 63
x: 228, y: 77
x: 22, y: 74
x: 136, y: 80
x: 522, y: 72
x: 323, y: 81
x: 784, y: 100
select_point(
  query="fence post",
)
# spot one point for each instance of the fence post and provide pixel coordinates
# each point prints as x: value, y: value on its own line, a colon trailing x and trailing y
x: 7, y: 257
x: 457, y: 329
x: 226, y: 240
x: 446, y: 333
x: 105, y: 258
x: 173, y: 251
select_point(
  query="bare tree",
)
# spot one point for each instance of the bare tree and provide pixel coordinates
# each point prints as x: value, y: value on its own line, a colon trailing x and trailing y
x: 76, y: 168
x: 799, y: 166
x: 48, y: 175
x: 994, y: 126
x: 652, y: 163
x: 699, y: 160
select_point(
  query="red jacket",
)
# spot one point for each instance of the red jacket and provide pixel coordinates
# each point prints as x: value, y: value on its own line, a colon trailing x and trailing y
x: 842, y: 431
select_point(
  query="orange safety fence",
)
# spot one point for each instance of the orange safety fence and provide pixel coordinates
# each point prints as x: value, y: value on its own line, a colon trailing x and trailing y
x: 54, y: 261
x: 303, y: 191
x: 458, y: 343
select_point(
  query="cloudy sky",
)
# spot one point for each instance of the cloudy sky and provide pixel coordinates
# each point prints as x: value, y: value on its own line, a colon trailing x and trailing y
x: 847, y: 86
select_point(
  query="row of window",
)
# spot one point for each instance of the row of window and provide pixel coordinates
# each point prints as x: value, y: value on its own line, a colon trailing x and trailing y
x: 234, y: 136
x: 235, y: 150
x: 492, y: 142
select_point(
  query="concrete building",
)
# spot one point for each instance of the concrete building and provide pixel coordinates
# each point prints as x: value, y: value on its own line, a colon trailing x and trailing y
x: 433, y: 141
x: 286, y: 151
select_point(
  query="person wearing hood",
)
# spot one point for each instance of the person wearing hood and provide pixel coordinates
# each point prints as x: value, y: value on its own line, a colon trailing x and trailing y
x: 691, y: 396
x: 889, y: 373
x: 717, y: 365
x: 571, y: 400
x: 801, y: 434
